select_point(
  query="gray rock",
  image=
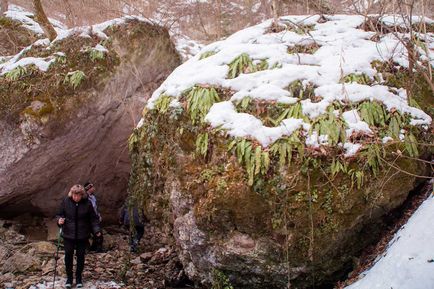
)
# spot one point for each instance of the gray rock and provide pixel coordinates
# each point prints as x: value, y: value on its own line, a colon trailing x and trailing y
x: 52, y: 229
x: 136, y: 261
x: 4, y: 252
x: 145, y: 257
x: 43, y: 248
x: 20, y: 262
x: 7, y: 277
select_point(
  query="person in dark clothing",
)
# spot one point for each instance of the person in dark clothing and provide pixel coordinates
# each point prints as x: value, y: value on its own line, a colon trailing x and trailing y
x: 135, y: 225
x: 97, y: 241
x: 77, y: 218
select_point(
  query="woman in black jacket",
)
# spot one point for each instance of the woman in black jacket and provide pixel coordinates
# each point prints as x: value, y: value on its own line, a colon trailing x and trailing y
x: 77, y: 217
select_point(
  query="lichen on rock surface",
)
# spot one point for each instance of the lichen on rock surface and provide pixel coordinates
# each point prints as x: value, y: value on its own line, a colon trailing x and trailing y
x: 273, y: 164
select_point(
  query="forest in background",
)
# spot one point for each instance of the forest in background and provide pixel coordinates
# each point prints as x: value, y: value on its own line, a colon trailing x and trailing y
x: 210, y: 20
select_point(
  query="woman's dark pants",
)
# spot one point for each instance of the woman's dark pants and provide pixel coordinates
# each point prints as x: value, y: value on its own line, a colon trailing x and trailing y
x: 80, y: 250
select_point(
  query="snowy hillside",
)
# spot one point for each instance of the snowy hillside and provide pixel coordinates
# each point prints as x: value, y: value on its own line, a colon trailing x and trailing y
x: 408, y: 262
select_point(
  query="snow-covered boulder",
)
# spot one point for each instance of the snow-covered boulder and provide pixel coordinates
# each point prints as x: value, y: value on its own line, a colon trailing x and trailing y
x: 67, y: 109
x: 273, y: 154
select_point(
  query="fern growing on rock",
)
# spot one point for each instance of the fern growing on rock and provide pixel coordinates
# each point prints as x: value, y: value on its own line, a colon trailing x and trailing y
x: 74, y: 78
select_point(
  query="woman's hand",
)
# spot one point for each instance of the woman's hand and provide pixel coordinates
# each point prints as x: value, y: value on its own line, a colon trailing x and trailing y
x: 61, y: 221
x: 98, y: 234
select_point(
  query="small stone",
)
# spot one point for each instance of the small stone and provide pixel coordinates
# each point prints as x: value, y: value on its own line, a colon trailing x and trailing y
x: 7, y: 277
x: 136, y: 261
x: 4, y: 252
x: 145, y: 257
x: 48, y: 267
x: 37, y: 105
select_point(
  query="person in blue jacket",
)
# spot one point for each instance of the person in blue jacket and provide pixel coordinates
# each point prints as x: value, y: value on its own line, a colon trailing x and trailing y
x: 97, y: 241
x: 138, y: 224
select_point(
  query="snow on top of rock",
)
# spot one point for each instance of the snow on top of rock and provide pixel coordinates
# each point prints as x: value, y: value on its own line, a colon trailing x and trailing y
x: 408, y: 260
x: 27, y: 19
x: 41, y: 63
x: 343, y: 49
x: 100, y: 48
x: 354, y: 123
x: 186, y: 46
x: 17, y: 60
x: 399, y: 20
x: 18, y: 13
x: 245, y: 125
x: 97, y: 29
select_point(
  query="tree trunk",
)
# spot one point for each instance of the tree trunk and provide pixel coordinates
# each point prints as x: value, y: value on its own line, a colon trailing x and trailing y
x: 219, y: 19
x: 275, y: 10
x: 266, y: 8
x: 42, y: 19
x: 3, y: 6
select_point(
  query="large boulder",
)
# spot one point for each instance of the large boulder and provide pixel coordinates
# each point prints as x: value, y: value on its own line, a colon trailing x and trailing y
x: 273, y: 155
x: 68, y: 107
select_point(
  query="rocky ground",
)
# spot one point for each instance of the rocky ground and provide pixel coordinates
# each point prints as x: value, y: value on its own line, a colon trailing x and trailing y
x: 30, y: 263
x: 28, y: 247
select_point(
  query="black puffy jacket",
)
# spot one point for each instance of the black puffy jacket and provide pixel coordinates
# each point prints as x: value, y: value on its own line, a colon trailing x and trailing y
x: 80, y: 219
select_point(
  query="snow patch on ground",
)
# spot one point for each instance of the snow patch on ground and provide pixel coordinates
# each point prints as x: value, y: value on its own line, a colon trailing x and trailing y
x: 408, y: 263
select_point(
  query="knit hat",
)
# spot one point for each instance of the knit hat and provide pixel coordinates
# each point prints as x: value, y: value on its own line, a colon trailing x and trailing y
x: 88, y: 185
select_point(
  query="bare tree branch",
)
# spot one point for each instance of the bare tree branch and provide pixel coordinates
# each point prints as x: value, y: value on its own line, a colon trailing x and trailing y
x: 275, y: 9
